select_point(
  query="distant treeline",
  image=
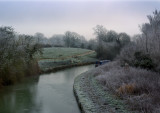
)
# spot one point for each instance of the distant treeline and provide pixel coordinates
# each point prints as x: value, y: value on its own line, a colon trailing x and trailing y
x: 107, y: 44
x: 68, y: 39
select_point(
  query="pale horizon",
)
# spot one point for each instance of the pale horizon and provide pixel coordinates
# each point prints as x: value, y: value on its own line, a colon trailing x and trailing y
x: 57, y: 17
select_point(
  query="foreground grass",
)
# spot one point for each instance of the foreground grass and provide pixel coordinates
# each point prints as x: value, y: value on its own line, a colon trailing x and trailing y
x: 139, y: 88
x: 62, y: 57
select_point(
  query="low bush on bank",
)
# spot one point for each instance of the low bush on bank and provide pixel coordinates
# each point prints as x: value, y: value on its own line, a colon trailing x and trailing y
x: 17, y: 56
x: 139, y: 88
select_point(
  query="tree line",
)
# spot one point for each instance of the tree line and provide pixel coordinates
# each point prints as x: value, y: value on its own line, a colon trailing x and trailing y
x: 144, y: 50
x: 107, y: 43
x: 68, y: 39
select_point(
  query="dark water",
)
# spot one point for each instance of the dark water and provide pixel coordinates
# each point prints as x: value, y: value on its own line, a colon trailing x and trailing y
x: 50, y: 93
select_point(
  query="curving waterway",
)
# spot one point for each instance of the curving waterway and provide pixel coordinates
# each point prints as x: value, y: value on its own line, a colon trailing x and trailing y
x: 49, y: 93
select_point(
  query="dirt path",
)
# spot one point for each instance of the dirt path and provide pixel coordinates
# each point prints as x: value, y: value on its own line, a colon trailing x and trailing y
x: 73, y: 56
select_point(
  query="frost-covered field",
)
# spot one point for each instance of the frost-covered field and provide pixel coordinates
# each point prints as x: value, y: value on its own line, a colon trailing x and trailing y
x: 60, y: 52
x: 55, y: 57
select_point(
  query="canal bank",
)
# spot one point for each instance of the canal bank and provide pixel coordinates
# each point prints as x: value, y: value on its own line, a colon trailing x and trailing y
x: 92, y: 98
x: 57, y: 68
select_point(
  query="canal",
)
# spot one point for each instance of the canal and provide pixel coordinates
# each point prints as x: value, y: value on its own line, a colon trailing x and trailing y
x: 49, y: 93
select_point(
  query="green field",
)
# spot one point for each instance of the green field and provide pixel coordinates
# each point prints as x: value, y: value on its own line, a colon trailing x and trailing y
x: 60, y: 52
x: 56, y: 56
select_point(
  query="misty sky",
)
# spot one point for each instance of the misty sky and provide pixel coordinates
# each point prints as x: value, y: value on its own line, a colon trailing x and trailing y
x: 56, y: 17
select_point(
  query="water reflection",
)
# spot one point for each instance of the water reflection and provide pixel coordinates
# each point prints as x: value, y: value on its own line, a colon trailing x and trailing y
x: 51, y: 94
x: 18, y: 99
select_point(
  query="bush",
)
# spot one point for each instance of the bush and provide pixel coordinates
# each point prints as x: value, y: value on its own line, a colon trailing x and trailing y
x: 136, y: 58
x: 143, y: 60
x: 139, y: 88
x: 17, y: 54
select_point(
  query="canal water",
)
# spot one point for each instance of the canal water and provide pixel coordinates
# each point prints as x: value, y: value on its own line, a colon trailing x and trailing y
x: 50, y: 93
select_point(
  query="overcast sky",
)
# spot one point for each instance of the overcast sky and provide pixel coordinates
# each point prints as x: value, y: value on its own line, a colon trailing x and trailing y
x: 56, y: 17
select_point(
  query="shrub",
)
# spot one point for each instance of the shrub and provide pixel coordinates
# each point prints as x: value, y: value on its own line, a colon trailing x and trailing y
x: 139, y: 87
x: 136, y: 58
x: 143, y: 60
x: 127, y: 54
x: 17, y: 54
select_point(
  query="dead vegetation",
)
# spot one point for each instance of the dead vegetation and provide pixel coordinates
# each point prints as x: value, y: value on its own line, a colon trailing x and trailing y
x: 139, y: 88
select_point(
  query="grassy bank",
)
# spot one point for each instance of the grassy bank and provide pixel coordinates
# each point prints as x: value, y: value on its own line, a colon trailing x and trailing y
x: 92, y: 98
x: 113, y: 88
x: 58, y: 58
